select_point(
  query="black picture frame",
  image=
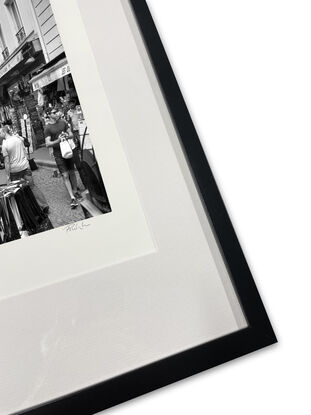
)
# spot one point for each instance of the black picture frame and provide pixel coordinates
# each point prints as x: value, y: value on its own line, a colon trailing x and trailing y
x: 259, y: 332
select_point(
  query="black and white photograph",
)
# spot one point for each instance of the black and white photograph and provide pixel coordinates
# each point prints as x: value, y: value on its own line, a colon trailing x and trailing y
x: 49, y: 175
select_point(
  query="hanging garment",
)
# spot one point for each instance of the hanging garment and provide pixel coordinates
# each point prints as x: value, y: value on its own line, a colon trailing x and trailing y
x: 9, y: 230
x: 5, y: 220
x: 20, y: 213
x: 60, y: 85
x: 13, y: 227
x: 31, y: 213
x: 16, y: 214
x: 40, y: 98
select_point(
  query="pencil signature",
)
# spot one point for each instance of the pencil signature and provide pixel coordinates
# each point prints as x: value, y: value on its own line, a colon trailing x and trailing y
x: 76, y: 227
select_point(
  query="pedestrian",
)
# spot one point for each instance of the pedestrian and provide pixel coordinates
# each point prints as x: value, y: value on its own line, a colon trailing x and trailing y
x: 73, y: 118
x: 17, y: 165
x: 54, y: 132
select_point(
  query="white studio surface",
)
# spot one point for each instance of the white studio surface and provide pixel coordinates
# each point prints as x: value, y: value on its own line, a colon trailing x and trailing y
x: 111, y: 320
x: 245, y: 71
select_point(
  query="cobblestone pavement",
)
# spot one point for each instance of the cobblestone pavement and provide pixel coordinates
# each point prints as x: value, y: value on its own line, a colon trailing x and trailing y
x: 57, y: 197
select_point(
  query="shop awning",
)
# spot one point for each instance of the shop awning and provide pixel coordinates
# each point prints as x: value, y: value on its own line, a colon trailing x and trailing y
x: 57, y: 71
x: 14, y: 61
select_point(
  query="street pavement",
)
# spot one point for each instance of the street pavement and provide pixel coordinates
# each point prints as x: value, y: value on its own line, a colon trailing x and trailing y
x: 56, y: 195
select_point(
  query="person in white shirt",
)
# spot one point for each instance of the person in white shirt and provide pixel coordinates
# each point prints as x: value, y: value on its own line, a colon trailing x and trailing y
x: 17, y: 164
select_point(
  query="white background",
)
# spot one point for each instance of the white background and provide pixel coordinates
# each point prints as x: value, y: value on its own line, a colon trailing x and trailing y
x: 245, y: 70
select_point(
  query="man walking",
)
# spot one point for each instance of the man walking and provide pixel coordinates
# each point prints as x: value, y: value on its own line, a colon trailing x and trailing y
x: 54, y: 131
x: 17, y: 164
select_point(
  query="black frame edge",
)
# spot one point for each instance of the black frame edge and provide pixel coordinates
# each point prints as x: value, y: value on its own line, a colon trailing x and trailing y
x: 257, y: 335
x: 154, y: 376
x: 202, y: 173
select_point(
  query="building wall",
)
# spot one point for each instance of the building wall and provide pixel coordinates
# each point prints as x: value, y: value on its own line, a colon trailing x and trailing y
x: 37, y: 16
x: 47, y: 26
x: 7, y: 25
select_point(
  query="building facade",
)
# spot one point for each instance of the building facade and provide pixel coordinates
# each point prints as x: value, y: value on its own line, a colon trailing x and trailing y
x: 17, y: 24
x: 29, y: 45
x: 47, y: 28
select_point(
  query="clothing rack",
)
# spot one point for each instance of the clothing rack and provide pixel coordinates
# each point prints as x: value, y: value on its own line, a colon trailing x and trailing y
x: 20, y: 214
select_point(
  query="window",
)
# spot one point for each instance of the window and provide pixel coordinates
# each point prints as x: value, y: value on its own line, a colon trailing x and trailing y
x: 17, y: 21
x: 4, y: 49
x: 2, y: 42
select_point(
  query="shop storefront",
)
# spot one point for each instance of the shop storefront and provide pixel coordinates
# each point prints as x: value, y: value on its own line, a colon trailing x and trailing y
x: 16, y: 97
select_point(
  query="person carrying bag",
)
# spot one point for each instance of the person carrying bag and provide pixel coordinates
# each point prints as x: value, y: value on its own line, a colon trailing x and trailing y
x: 59, y: 137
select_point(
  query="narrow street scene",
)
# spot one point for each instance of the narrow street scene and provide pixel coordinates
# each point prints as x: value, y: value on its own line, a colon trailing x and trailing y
x: 58, y: 202
x: 49, y: 175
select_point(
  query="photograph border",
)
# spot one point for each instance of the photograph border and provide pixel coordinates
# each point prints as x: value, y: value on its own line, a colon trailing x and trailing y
x: 114, y: 169
x: 259, y: 332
